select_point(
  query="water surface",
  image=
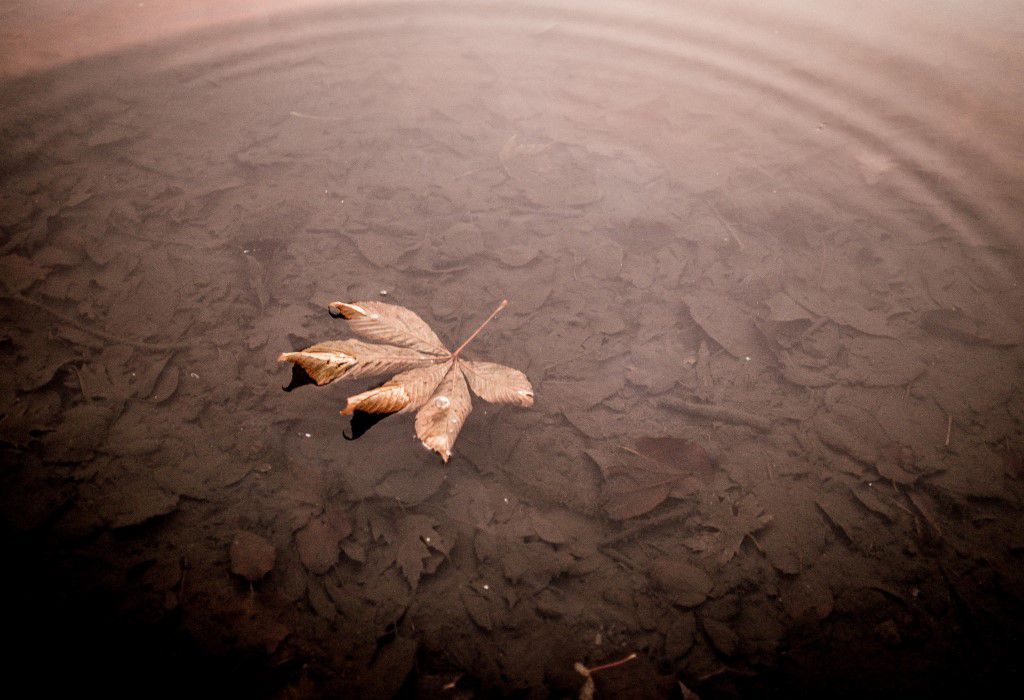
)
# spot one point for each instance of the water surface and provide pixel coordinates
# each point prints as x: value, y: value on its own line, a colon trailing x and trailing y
x: 789, y: 235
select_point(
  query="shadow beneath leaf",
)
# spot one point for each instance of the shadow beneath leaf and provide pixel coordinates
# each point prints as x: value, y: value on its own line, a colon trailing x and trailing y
x: 362, y: 422
x: 299, y: 378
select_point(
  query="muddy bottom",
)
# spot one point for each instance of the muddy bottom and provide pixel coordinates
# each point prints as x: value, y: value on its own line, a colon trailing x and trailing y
x: 764, y: 272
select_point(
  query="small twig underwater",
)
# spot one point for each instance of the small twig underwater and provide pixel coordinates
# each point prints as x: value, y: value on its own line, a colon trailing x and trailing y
x: 102, y: 335
x: 649, y: 524
x: 720, y: 413
x: 587, y: 691
x: 303, y: 115
x: 613, y: 664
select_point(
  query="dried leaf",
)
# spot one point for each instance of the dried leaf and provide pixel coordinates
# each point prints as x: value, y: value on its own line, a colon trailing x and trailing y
x: 687, y: 693
x: 431, y: 379
x: 872, y: 502
x: 166, y: 385
x: 842, y: 308
x: 411, y: 486
x: 132, y: 435
x: 721, y: 635
x: 806, y: 595
x: 513, y: 148
x: 329, y: 361
x: 657, y: 469
x: 875, y: 361
x: 54, y: 256
x: 439, y: 421
x: 782, y: 308
x: 727, y: 323
x: 959, y: 326
x: 18, y: 273
x: 497, y: 383
x: 390, y: 668
x: 135, y: 502
x: 411, y: 539
x: 478, y: 609
x: 37, y: 368
x: 549, y: 174
x: 28, y: 416
x: 96, y: 383
x: 403, y: 392
x: 679, y: 637
x: 731, y: 523
x: 390, y: 324
x: 844, y: 439
x: 898, y: 464
x: 318, y: 541
x: 77, y: 434
x: 252, y: 556
x: 840, y: 510
x: 117, y: 375
x: 705, y: 390
x: 587, y: 689
x: 923, y: 504
x: 146, y: 378
x: 687, y: 584
x: 257, y: 280
x: 546, y: 528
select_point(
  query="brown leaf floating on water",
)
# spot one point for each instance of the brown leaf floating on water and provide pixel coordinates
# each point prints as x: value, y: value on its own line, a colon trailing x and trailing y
x: 404, y: 392
x: 430, y: 380
x: 497, y: 383
x: 334, y: 359
x: 392, y: 324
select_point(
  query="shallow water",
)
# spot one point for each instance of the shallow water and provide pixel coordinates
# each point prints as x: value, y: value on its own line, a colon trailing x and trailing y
x: 791, y: 236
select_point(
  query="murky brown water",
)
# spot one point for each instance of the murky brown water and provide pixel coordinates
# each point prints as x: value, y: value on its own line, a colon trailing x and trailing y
x: 791, y: 236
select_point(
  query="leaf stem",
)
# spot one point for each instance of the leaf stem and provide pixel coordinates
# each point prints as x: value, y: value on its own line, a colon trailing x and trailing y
x: 613, y: 664
x: 502, y: 305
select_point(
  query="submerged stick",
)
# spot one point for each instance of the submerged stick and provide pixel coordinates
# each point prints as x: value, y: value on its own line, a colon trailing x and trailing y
x: 719, y: 413
x: 587, y: 691
x: 102, y: 335
x: 303, y: 115
x: 649, y: 524
x: 612, y: 664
